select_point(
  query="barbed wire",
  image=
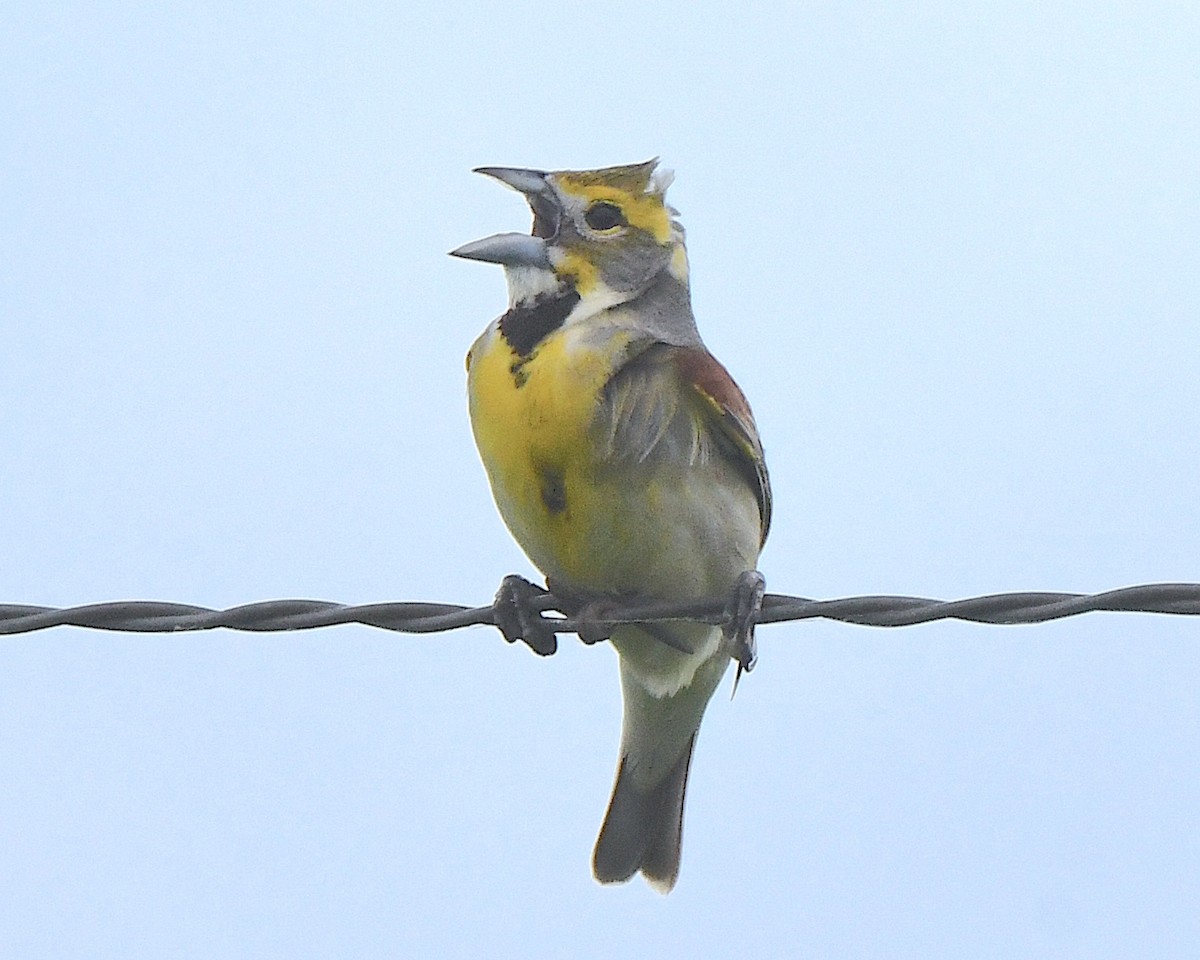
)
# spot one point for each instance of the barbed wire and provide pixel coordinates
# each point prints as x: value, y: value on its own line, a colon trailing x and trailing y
x: 143, y: 616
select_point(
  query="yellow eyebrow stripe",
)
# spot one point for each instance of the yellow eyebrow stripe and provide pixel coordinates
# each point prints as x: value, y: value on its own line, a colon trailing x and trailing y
x: 646, y: 211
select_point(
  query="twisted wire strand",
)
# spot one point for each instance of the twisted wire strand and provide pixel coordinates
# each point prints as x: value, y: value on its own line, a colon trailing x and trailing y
x: 144, y: 616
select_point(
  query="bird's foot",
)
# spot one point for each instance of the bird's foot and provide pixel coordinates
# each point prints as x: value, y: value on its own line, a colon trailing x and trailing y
x: 741, y: 614
x: 589, y: 621
x: 587, y: 613
x: 518, y: 616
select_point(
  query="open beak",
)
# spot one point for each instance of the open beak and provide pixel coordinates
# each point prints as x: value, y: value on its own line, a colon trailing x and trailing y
x: 507, y: 249
x: 519, y: 249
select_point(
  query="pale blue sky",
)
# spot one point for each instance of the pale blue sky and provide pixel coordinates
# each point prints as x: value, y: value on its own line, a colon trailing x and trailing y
x: 949, y: 251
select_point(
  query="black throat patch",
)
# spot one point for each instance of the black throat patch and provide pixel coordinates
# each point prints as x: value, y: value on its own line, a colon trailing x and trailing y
x: 527, y: 325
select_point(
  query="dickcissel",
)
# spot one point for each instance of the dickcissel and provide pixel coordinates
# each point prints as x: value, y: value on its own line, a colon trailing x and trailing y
x: 626, y: 463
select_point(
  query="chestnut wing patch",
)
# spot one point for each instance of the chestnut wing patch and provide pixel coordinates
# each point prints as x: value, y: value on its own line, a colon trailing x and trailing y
x: 730, y: 413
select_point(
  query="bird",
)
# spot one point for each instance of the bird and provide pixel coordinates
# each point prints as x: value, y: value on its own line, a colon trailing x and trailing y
x: 626, y: 462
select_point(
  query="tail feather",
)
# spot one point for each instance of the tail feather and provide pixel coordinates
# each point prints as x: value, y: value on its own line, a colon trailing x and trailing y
x: 643, y: 829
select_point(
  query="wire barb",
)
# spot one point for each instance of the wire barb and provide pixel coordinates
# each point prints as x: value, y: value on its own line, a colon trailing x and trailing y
x: 144, y: 616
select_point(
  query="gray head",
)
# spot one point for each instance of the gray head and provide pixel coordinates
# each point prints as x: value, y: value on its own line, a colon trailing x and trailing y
x: 608, y: 234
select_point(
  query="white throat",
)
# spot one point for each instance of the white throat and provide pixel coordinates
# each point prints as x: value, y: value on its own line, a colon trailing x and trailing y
x: 528, y: 283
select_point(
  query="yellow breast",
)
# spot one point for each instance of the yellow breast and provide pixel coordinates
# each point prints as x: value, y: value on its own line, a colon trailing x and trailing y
x: 532, y: 421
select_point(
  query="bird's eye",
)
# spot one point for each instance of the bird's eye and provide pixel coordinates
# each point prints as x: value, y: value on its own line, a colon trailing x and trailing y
x: 604, y: 216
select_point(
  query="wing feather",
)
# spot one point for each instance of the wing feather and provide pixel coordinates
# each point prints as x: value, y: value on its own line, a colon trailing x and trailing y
x: 680, y: 403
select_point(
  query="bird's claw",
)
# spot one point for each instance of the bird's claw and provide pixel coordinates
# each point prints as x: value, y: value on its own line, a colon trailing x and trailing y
x: 518, y: 618
x: 589, y: 631
x: 584, y: 611
x: 741, y: 614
